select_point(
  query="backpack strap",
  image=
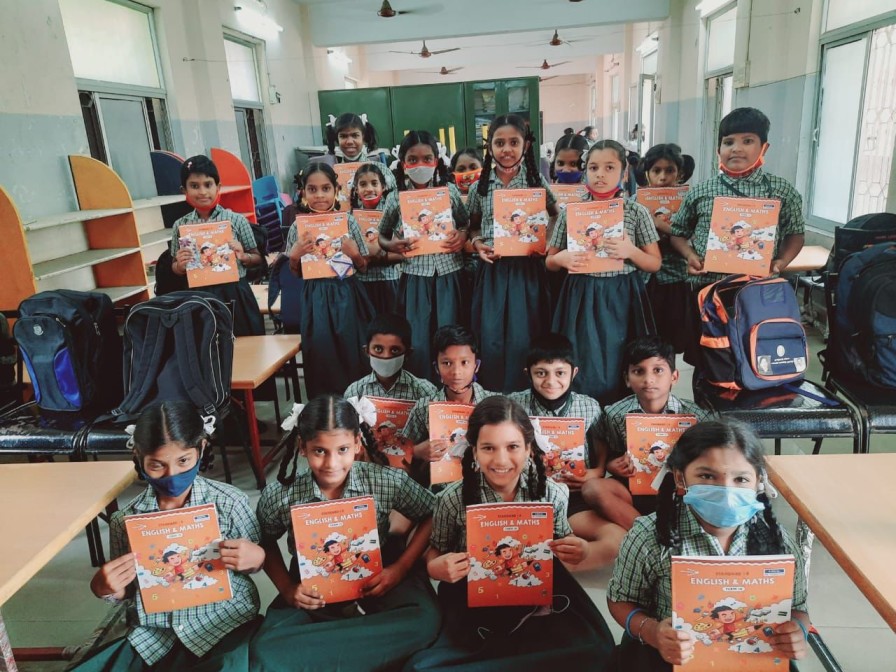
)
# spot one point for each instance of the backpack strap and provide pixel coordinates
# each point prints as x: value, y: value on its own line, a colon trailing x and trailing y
x: 189, y: 364
x: 767, y: 183
x: 148, y: 370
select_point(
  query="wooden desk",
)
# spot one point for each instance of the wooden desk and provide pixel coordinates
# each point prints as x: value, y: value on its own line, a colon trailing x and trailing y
x: 261, y: 295
x: 848, y: 501
x: 810, y: 258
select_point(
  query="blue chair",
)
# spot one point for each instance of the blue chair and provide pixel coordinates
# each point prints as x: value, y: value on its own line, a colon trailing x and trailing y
x: 267, y: 196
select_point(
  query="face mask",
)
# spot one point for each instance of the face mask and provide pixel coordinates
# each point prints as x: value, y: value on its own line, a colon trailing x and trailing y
x: 723, y: 506
x: 421, y: 173
x: 466, y: 180
x: 386, y: 368
x: 370, y: 203
x: 512, y: 168
x: 569, y: 177
x: 603, y: 195
x: 172, y: 486
x: 743, y: 173
x: 211, y: 207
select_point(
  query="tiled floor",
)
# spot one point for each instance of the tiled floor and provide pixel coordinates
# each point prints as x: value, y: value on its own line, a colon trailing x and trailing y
x: 56, y: 608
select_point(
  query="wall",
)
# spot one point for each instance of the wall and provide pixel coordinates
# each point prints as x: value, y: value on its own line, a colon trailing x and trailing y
x: 565, y: 101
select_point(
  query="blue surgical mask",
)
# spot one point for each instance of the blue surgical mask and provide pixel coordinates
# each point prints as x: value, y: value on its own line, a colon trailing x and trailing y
x: 569, y: 177
x: 723, y: 506
x: 172, y: 486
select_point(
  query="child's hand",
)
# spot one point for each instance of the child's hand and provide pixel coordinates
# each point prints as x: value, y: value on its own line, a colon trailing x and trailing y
x: 663, y: 222
x: 114, y: 577
x: 383, y: 582
x: 241, y: 555
x: 573, y: 481
x: 622, y: 466
x: 486, y: 252
x: 675, y: 646
x: 304, y: 245
x: 778, y: 266
x: 181, y: 259
x: 304, y: 597
x: 620, y: 248
x: 350, y: 248
x: 789, y: 640
x: 569, y: 550
x: 454, y: 243
x: 695, y: 265
x: 450, y: 567
x: 237, y: 247
x: 397, y: 245
x: 433, y: 450
x: 571, y: 261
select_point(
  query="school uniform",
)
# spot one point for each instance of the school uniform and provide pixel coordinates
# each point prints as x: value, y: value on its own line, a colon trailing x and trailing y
x: 511, y: 638
x: 335, y: 314
x: 401, y: 622
x: 205, y: 638
x: 247, y: 318
x: 381, y: 282
x: 511, y: 300
x: 601, y: 312
x: 407, y: 387
x: 430, y: 288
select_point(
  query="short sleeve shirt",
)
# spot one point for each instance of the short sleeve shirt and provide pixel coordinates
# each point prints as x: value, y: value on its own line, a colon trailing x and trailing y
x: 484, y: 205
x: 417, y: 427
x: 242, y: 230
x: 408, y: 387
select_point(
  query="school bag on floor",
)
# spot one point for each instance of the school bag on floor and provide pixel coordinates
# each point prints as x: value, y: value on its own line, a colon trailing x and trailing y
x: 177, y: 347
x: 71, y: 348
x: 752, y: 337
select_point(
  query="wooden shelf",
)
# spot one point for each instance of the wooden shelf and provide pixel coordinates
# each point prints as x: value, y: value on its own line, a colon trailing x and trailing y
x: 154, y: 238
x: 71, y: 217
x: 120, y: 293
x: 236, y: 184
x: 47, y: 269
x: 157, y: 201
x: 234, y: 189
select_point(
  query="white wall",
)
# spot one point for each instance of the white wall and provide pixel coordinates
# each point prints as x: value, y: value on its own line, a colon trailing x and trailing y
x: 565, y: 101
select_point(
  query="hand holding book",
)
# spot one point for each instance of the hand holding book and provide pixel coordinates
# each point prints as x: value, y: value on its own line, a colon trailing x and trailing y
x: 450, y: 567
x: 241, y: 555
x: 113, y: 578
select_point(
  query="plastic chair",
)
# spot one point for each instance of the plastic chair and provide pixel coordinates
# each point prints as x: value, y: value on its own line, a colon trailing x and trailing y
x: 267, y: 195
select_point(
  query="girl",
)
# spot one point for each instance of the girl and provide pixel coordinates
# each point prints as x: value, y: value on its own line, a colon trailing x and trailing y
x: 200, y: 182
x: 351, y: 138
x: 399, y: 614
x: 512, y: 288
x: 334, y: 310
x: 503, y: 464
x: 713, y: 462
x: 601, y: 312
x: 430, y: 290
x: 567, y: 167
x: 170, y: 446
x: 466, y: 167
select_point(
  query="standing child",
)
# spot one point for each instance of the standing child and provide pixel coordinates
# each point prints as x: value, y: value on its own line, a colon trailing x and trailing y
x: 568, y: 166
x: 714, y: 501
x: 511, y: 301
x: 333, y: 309
x: 200, y: 182
x: 351, y: 138
x: 170, y: 446
x: 600, y: 312
x: 398, y: 614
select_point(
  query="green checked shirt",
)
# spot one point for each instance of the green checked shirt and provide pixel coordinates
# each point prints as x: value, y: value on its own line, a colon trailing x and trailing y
x: 426, y: 265
x: 639, y: 228
x: 449, y: 523
x: 380, y: 273
x: 292, y: 237
x: 484, y: 205
x: 408, y: 387
x: 197, y: 628
x: 693, y: 218
x: 417, y: 427
x: 391, y: 489
x: 242, y: 230
x: 643, y: 570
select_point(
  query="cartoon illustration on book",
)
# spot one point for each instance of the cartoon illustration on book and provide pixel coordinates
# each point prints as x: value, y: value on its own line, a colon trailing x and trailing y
x: 649, y: 439
x: 449, y: 421
x: 327, y: 231
x: 589, y: 226
x: 345, y: 176
x: 562, y: 440
x: 391, y: 417
x: 520, y: 221
x: 213, y: 260
x: 426, y: 219
x: 662, y: 202
x: 742, y: 235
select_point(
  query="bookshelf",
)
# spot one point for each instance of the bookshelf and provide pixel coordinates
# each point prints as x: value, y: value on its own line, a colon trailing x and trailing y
x: 236, y: 185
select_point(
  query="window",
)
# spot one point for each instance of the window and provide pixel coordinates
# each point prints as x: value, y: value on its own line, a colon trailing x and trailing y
x: 245, y: 89
x: 718, y: 89
x: 720, y: 43
x: 615, y: 131
x: 840, y: 13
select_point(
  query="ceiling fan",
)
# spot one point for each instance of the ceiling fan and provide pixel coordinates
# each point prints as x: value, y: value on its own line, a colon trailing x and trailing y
x: 544, y: 66
x: 387, y: 12
x: 426, y: 53
x: 444, y: 71
x: 556, y: 40
x: 544, y: 79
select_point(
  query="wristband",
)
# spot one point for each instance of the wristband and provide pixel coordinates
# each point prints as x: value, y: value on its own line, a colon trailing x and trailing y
x: 803, y: 628
x: 628, y: 620
x: 110, y: 599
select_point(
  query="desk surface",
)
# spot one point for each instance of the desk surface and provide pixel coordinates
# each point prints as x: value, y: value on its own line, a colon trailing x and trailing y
x: 261, y: 295
x: 33, y: 532
x: 810, y: 258
x: 257, y: 358
x: 849, y: 502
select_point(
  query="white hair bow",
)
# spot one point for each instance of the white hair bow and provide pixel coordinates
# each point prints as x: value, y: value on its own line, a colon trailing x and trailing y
x: 365, y: 408
x: 661, y: 474
x: 766, y: 486
x: 541, y: 440
x: 443, y: 154
x: 290, y: 421
x: 332, y: 121
x: 363, y: 118
x: 208, y: 424
x: 129, y: 430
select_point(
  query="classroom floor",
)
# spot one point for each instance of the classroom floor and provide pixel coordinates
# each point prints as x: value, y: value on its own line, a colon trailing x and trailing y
x: 56, y: 608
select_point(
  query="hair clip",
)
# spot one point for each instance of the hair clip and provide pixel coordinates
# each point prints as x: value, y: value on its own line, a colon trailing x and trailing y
x: 332, y: 121
x: 129, y: 430
x: 208, y: 424
x: 289, y: 423
x: 189, y: 164
x: 363, y: 118
x: 365, y: 409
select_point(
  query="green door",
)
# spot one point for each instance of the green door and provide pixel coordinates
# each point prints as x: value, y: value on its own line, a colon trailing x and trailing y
x: 437, y: 108
x: 482, y: 106
x: 375, y: 103
x: 487, y: 100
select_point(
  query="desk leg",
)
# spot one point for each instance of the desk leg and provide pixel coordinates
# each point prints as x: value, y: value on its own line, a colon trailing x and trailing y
x: 7, y: 662
x: 254, y: 437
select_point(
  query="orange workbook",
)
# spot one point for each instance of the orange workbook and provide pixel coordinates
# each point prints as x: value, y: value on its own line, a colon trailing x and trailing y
x: 511, y: 562
x: 649, y: 439
x: 327, y: 231
x: 345, y: 175
x: 448, y: 420
x: 731, y: 606
x: 391, y: 417
x: 589, y: 225
x: 662, y: 201
x: 563, y: 445
x: 178, y: 558
x: 337, y: 546
x: 742, y: 236
x: 369, y: 223
x: 214, y: 261
x: 426, y: 219
x: 520, y: 221
x: 568, y: 193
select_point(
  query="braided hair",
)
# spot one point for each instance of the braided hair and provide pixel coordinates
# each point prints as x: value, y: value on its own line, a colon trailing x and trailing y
x: 494, y: 411
x: 533, y: 177
x: 355, y: 198
x: 570, y: 141
x: 412, y: 139
x: 347, y: 121
x: 301, y: 179
x: 170, y: 422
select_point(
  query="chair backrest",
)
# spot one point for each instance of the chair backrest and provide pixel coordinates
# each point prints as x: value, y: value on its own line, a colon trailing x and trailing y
x: 265, y: 189
x: 289, y: 287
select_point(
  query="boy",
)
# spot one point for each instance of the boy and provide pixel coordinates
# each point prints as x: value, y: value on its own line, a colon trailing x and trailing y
x: 649, y: 366
x: 388, y: 341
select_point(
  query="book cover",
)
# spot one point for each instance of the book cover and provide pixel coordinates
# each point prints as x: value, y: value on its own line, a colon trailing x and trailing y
x: 327, y: 232
x: 391, y: 417
x: 649, y: 439
x: 448, y: 420
x: 568, y: 193
x: 731, y: 606
x: 661, y: 201
x: 742, y: 236
x: 510, y: 560
x: 563, y: 443
x: 345, y: 175
x: 178, y: 558
x: 521, y: 221
x: 426, y: 219
x: 214, y: 261
x: 337, y: 546
x: 589, y: 225
x: 369, y: 223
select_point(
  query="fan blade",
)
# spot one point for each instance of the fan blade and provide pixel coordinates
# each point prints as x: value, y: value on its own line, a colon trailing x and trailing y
x: 554, y: 65
x: 544, y: 79
x: 530, y: 67
x: 412, y: 53
x: 444, y: 51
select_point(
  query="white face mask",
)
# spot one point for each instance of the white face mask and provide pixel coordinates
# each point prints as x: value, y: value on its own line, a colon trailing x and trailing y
x: 386, y: 368
x: 420, y: 174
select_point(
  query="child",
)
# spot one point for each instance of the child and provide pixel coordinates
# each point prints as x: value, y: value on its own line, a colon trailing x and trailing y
x: 717, y: 457
x: 743, y: 142
x: 388, y: 342
x: 333, y: 309
x: 650, y: 373
x: 430, y: 291
x: 398, y: 614
x: 355, y: 137
x: 599, y: 312
x: 170, y: 447
x: 200, y: 182
x: 503, y: 464
x: 466, y: 167
x: 568, y: 167
x: 511, y: 301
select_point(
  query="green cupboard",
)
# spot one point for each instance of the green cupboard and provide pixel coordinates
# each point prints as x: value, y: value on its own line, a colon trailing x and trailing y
x: 487, y: 100
x: 376, y: 103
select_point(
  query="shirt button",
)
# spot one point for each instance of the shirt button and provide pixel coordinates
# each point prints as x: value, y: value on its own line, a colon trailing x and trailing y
x: 180, y: 628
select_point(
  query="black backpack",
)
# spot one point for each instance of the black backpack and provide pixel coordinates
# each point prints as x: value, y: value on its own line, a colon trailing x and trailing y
x: 177, y: 347
x: 71, y: 348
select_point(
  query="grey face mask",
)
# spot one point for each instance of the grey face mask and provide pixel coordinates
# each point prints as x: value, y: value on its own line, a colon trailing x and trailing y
x: 386, y: 368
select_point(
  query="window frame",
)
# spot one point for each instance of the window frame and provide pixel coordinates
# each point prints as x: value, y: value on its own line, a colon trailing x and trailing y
x: 253, y: 45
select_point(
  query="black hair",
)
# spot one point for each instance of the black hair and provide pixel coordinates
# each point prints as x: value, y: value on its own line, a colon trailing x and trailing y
x: 350, y: 120
x: 689, y: 167
x: 167, y: 554
x: 325, y: 413
x: 638, y: 350
x: 668, y: 151
x: 611, y: 145
x: 466, y: 151
x: 718, y: 610
x: 452, y: 334
x: 551, y: 347
x: 533, y: 177
x: 763, y: 538
x: 500, y: 547
x: 744, y: 120
x: 328, y: 543
x: 302, y: 179
x: 569, y: 130
x: 494, y: 411
x: 570, y: 141
x: 412, y: 139
x: 365, y: 168
x: 198, y: 165
x: 170, y: 422
x: 392, y: 324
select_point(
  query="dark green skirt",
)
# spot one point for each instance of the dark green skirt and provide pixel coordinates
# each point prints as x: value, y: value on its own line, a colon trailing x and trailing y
x: 247, y: 317
x: 335, y: 314
x: 383, y: 295
x: 669, y: 303
x: 511, y: 306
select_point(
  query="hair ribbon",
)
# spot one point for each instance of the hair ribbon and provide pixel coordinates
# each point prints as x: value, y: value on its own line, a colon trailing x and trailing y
x: 332, y: 121
x: 290, y: 421
x: 365, y: 409
x: 208, y: 424
x: 443, y: 154
x: 362, y: 117
x: 129, y: 430
x: 541, y: 440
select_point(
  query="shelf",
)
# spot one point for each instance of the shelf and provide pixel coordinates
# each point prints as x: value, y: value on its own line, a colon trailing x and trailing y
x: 155, y: 237
x: 119, y: 293
x: 158, y: 201
x: 231, y: 189
x: 71, y: 217
x: 72, y: 262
